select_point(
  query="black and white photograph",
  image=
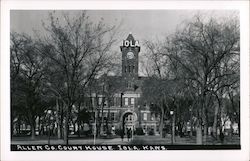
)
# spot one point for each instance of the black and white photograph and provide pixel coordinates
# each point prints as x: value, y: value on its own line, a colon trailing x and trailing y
x: 125, y: 80
x: 78, y: 77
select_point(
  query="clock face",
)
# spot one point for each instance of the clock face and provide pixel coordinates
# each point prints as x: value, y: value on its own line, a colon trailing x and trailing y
x: 130, y: 55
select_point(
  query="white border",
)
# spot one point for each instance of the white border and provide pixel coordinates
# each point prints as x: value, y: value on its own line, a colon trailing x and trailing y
x: 209, y: 155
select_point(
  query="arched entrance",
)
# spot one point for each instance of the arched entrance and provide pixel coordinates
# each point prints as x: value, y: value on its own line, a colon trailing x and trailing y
x: 128, y: 120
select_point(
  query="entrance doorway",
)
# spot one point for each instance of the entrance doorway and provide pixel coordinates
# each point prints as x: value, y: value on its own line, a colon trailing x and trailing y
x: 128, y: 121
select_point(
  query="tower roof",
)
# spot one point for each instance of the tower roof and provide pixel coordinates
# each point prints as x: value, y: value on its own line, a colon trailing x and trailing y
x: 130, y: 38
x: 130, y: 42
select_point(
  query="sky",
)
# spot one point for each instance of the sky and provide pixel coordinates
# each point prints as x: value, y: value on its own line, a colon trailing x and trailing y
x: 143, y: 24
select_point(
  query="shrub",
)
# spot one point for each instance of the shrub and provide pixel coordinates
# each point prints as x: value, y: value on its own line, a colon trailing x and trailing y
x: 117, y: 131
x: 151, y: 132
x: 139, y: 131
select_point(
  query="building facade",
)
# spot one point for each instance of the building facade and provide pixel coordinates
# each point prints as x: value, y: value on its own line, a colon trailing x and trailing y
x: 123, y: 108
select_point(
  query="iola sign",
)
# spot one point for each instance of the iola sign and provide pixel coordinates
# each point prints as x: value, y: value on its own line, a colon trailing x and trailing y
x: 130, y: 43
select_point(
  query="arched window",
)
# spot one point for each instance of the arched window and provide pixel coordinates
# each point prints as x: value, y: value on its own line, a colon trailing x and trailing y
x: 133, y: 69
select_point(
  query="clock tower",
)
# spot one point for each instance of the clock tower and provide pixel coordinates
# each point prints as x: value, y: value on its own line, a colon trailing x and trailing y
x: 130, y: 60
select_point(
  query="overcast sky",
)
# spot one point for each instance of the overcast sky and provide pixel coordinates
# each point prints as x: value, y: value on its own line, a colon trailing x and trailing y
x: 143, y: 24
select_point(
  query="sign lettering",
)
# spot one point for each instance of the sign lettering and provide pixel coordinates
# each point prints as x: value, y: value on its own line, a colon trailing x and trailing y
x: 130, y: 43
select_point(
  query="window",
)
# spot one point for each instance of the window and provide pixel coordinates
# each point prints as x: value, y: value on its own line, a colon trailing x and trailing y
x: 133, y: 69
x: 144, y: 116
x: 125, y: 69
x: 105, y: 115
x: 132, y: 101
x: 129, y: 85
x: 114, y: 101
x: 152, y: 118
x: 130, y: 118
x: 99, y: 100
x: 129, y: 69
x: 126, y: 101
x: 105, y: 103
x: 93, y: 101
x: 112, y: 116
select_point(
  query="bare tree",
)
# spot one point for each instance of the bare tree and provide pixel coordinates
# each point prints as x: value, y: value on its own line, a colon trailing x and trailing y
x: 202, y: 58
x: 79, y: 49
x: 27, y: 72
x: 204, y: 52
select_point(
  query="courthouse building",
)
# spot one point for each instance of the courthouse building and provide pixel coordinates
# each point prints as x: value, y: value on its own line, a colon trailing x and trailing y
x: 124, y: 107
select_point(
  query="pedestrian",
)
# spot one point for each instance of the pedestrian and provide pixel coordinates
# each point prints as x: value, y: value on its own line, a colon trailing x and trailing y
x: 128, y: 133
x: 221, y: 136
x: 122, y: 134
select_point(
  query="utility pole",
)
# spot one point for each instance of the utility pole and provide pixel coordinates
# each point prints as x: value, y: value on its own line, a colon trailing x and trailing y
x: 58, y: 120
x: 173, y: 126
x: 95, y: 127
x: 103, y: 100
x: 122, y: 118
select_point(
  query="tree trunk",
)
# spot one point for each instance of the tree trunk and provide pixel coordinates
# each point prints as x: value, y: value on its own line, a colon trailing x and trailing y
x: 205, y: 126
x: 62, y: 113
x: 78, y: 121
x: 214, y: 132
x: 66, y: 126
x: 201, y: 118
x: 58, y: 120
x: 238, y: 116
x: 98, y: 123
x: 33, y: 130
x: 199, y: 129
x: 59, y: 136
x: 173, y: 130
x: 161, y: 123
x: 11, y: 124
x: 199, y: 135
x: 108, y: 120
x: 191, y: 124
x: 102, y: 119
x: 32, y: 122
x: 19, y: 126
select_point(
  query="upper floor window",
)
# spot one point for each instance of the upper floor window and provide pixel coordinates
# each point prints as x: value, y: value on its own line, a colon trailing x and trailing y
x: 99, y: 100
x: 93, y: 101
x: 105, y: 103
x: 114, y: 101
x: 112, y: 116
x: 145, y: 116
x: 132, y: 101
x: 126, y: 101
x: 129, y: 85
x: 152, y: 117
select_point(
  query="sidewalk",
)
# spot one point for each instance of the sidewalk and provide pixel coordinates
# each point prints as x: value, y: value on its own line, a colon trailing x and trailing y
x: 153, y: 140
x: 138, y: 140
x: 72, y: 141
